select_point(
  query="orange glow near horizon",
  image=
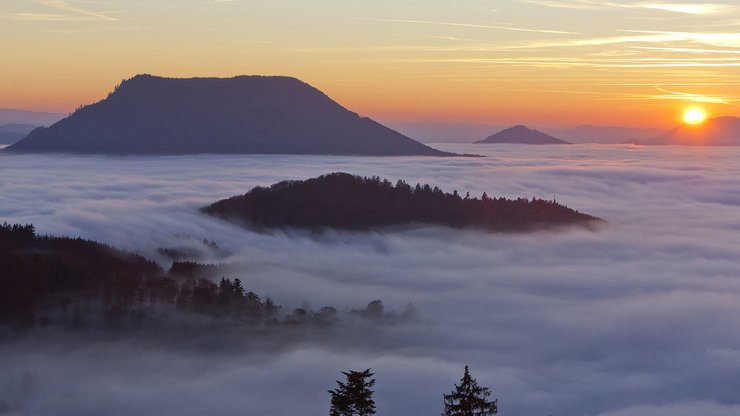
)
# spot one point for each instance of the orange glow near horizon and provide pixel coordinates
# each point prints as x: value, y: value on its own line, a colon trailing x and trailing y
x: 694, y: 116
x: 525, y: 62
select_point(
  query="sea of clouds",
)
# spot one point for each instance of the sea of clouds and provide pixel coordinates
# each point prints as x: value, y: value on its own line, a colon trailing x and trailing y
x: 638, y: 317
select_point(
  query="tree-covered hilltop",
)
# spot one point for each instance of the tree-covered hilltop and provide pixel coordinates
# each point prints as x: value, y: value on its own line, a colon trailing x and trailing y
x: 344, y: 201
x: 77, y: 284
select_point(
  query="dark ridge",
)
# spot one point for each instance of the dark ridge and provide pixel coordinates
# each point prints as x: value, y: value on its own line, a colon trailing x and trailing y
x: 344, y: 201
x: 38, y: 270
x: 81, y: 285
x: 245, y: 114
x: 521, y: 135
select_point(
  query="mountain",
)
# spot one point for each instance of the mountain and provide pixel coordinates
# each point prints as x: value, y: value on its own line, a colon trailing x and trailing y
x: 605, y: 134
x: 34, y: 118
x: 442, y: 132
x: 17, y: 128
x: 10, y: 138
x: 344, y: 201
x: 721, y: 131
x: 245, y: 114
x: 521, y: 135
x: 11, y: 133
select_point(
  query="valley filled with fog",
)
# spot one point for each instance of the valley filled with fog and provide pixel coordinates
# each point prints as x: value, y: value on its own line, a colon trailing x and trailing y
x: 636, y: 317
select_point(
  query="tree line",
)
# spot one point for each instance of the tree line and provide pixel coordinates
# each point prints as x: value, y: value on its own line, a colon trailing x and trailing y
x: 74, y: 282
x: 354, y: 397
x: 344, y: 201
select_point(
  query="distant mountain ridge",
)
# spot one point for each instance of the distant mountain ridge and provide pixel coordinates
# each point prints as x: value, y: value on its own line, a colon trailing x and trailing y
x: 246, y: 114
x: 11, y: 133
x: 721, y: 131
x: 10, y: 137
x: 34, y: 118
x: 521, y: 135
x: 443, y: 132
x: 605, y: 134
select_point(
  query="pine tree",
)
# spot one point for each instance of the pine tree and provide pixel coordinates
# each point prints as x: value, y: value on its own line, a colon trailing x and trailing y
x: 469, y: 399
x: 353, y: 397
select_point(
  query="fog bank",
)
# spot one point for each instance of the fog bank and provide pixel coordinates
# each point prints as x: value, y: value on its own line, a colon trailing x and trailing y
x: 638, y: 318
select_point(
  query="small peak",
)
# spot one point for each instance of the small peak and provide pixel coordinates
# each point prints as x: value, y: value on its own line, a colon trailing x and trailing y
x: 142, y: 76
x: 136, y: 80
x: 139, y: 78
x: 520, y: 128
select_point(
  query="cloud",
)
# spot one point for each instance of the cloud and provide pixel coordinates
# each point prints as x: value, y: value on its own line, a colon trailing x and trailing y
x: 684, y: 96
x: 723, y: 39
x: 630, y: 320
x: 71, y: 12
x: 44, y: 17
x: 686, y: 8
x: 475, y: 26
x: 688, y: 50
x: 574, y: 62
x: 696, y: 8
x: 687, y: 408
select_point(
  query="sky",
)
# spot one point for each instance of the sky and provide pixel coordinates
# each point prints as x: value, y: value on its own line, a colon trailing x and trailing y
x: 638, y: 318
x: 550, y: 63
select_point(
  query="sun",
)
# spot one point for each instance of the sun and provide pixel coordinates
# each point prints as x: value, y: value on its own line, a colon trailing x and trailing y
x: 694, y: 115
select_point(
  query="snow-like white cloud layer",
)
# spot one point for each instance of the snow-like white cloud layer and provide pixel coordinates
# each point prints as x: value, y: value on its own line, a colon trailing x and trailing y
x: 641, y: 317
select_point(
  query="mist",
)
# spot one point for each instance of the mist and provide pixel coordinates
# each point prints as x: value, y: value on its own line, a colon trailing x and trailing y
x: 638, y: 317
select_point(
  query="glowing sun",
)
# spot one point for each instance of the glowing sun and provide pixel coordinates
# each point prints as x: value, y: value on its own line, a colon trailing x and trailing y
x: 694, y: 116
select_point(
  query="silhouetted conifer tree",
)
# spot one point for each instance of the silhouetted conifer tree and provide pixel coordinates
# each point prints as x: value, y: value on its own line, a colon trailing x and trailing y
x: 353, y: 397
x: 469, y: 399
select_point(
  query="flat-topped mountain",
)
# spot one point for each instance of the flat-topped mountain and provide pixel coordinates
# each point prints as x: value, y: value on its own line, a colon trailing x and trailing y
x: 246, y: 114
x: 521, y: 135
x: 721, y: 131
x: 344, y: 201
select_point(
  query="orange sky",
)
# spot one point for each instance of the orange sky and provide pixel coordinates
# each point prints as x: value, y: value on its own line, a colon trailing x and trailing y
x: 540, y: 62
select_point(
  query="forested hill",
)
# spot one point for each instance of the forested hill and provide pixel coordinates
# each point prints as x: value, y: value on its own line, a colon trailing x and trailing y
x: 36, y: 271
x: 246, y: 114
x: 77, y: 284
x: 344, y: 201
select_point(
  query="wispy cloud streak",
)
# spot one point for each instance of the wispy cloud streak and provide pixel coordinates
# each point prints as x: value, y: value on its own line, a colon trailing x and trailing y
x: 714, y: 39
x: 74, y: 12
x: 686, y: 8
x: 477, y: 26
x: 684, y: 96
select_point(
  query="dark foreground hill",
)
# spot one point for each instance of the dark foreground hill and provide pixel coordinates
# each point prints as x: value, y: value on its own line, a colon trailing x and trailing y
x: 246, y: 114
x: 521, y: 135
x: 70, y: 283
x: 721, y: 131
x: 344, y: 201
